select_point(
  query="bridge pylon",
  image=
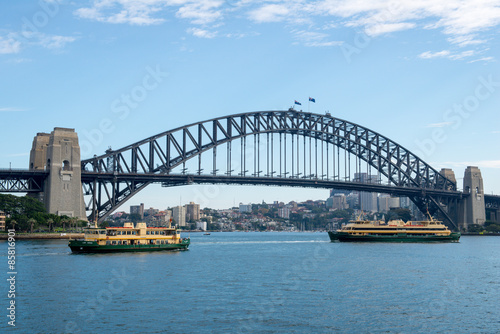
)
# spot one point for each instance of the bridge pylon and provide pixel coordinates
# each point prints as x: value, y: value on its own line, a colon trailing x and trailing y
x: 473, y: 205
x: 59, y: 153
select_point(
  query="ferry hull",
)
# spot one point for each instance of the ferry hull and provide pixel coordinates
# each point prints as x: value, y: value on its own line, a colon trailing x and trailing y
x: 80, y: 246
x: 402, y: 237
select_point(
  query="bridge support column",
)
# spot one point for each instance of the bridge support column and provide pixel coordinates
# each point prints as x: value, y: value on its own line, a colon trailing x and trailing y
x: 473, y: 206
x: 59, y: 153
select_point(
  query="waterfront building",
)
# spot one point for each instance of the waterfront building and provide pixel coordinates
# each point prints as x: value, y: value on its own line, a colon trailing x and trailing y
x: 353, y: 200
x: 337, y: 201
x: 404, y: 202
x: 367, y: 200
x: 245, y: 207
x: 386, y: 203
x: 162, y: 218
x: 284, y: 213
x: 201, y: 226
x: 137, y: 209
x: 2, y: 221
x: 179, y: 215
x: 192, y: 211
x: 151, y: 212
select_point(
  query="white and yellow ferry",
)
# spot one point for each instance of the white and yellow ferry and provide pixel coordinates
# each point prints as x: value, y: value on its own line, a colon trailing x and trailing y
x: 129, y: 239
x: 395, y: 231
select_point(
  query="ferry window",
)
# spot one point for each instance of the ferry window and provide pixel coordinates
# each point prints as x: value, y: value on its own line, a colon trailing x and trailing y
x: 133, y: 232
x: 108, y: 242
x: 147, y: 232
x: 128, y: 232
x: 114, y: 243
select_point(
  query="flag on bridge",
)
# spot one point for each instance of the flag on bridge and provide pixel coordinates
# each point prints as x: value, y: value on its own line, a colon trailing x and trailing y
x: 312, y: 100
x: 297, y: 102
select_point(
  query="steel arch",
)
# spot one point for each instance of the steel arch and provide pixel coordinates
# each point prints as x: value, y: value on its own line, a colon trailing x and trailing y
x: 161, y: 153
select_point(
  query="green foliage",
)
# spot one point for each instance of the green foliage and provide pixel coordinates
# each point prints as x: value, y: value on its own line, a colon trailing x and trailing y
x: 134, y: 217
x: 16, y: 205
x: 104, y: 224
x: 28, y: 214
x: 403, y: 214
x: 475, y: 228
x: 494, y: 228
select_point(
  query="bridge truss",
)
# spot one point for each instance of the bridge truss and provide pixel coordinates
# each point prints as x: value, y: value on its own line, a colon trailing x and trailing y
x: 285, y: 148
x: 22, y: 181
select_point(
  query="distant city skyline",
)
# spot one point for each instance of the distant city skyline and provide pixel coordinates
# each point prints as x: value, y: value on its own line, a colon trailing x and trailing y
x: 425, y: 76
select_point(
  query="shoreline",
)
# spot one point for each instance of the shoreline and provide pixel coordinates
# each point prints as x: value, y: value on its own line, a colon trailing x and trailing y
x: 21, y: 236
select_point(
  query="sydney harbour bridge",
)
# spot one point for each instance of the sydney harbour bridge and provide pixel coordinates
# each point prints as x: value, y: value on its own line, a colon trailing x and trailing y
x: 271, y: 148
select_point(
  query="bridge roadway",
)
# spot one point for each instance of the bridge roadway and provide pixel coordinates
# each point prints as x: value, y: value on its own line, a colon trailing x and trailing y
x: 185, y: 179
x: 20, y: 180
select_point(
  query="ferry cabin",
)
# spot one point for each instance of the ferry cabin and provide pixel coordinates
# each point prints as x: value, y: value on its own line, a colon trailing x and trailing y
x: 128, y: 235
x: 364, y: 227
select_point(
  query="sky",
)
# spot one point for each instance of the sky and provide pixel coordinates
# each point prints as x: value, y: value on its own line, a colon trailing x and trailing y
x: 423, y: 73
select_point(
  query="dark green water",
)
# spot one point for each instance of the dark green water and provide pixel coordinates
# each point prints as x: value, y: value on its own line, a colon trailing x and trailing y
x: 259, y: 283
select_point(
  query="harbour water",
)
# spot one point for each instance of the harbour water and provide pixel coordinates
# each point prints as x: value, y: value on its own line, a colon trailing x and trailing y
x: 259, y: 282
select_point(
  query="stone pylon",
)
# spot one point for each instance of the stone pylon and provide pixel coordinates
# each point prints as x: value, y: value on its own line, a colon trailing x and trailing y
x: 59, y: 153
x: 474, y: 207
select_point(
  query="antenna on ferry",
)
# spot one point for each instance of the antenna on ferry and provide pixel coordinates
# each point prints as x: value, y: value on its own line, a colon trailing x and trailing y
x: 95, y: 219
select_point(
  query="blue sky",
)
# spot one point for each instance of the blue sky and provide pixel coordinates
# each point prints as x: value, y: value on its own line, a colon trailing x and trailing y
x: 425, y: 74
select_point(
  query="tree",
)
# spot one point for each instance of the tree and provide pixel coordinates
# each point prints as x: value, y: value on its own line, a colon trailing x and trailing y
x: 50, y: 222
x: 475, y: 228
x: 403, y: 214
x: 495, y: 228
x: 134, y: 217
x: 31, y: 223
x: 64, y: 221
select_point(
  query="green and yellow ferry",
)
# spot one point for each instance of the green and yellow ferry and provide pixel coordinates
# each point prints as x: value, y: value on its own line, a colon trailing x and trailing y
x: 394, y: 231
x: 129, y: 239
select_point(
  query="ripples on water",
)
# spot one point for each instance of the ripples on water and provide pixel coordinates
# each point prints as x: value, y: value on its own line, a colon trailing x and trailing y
x: 261, y: 282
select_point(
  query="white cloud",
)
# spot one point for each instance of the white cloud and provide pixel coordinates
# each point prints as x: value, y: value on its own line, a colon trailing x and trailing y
x: 149, y: 12
x: 466, y: 40
x: 14, y: 42
x: 429, y: 54
x: 9, y: 45
x: 486, y: 59
x: 201, y: 12
x: 461, y: 21
x: 137, y: 12
x: 457, y: 18
x: 314, y: 39
x: 54, y: 41
x: 10, y: 109
x: 447, y: 54
x: 270, y: 13
x: 384, y: 28
x: 462, y: 55
x: 202, y: 33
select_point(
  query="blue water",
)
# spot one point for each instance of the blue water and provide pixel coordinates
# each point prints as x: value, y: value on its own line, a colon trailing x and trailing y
x: 259, y: 282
